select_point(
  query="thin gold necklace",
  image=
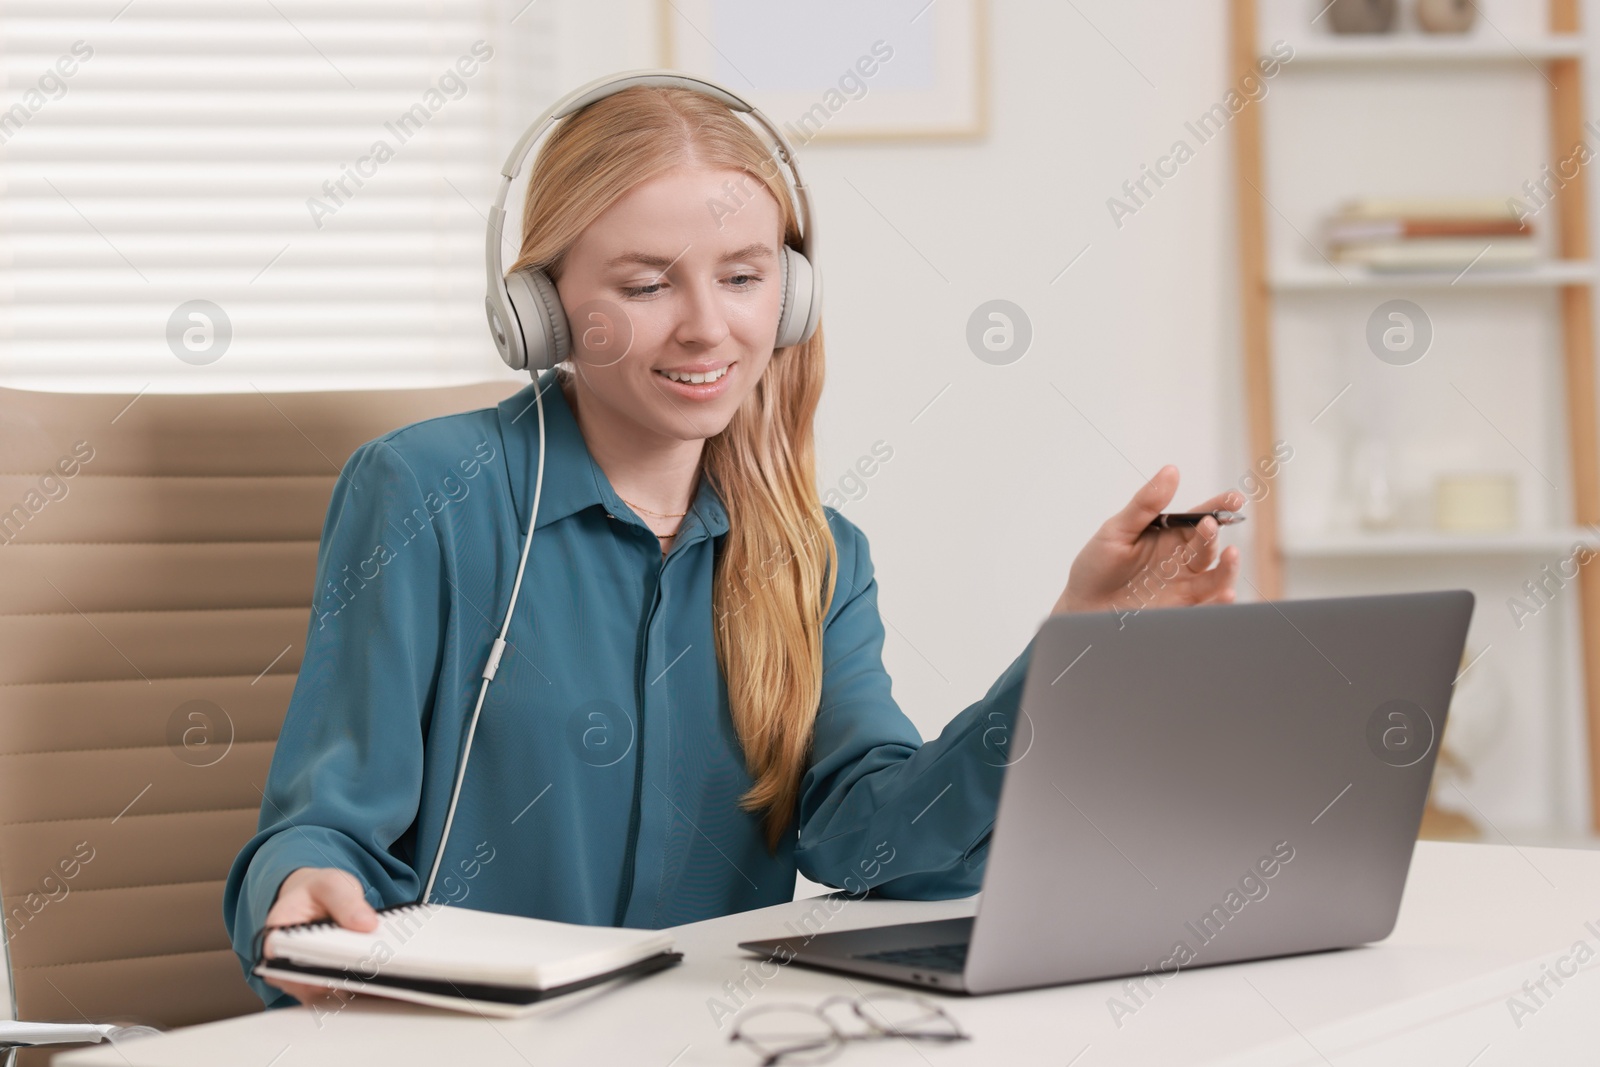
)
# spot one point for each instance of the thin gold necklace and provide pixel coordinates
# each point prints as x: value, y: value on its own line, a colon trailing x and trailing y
x: 657, y: 514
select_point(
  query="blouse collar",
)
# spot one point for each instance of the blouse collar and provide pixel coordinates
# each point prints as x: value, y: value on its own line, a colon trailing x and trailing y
x: 573, y: 481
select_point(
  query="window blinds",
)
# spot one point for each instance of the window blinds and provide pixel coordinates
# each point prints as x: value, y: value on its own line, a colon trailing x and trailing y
x: 222, y: 195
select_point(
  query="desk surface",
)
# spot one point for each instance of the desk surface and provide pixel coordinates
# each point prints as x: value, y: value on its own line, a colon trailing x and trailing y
x: 1477, y: 921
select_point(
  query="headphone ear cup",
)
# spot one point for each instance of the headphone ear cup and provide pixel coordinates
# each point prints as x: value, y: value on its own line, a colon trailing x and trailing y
x: 797, y: 320
x: 546, y: 338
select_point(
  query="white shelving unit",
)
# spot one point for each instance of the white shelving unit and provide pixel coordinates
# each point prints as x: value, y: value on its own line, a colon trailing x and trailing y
x: 1509, y: 383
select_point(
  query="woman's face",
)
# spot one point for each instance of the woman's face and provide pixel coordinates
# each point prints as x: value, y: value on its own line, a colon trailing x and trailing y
x: 680, y: 275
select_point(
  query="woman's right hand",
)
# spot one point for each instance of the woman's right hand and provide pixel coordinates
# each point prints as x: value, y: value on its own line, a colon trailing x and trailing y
x: 312, y: 893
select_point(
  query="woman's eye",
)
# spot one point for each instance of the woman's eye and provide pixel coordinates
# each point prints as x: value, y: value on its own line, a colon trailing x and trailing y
x: 643, y: 290
x: 751, y: 278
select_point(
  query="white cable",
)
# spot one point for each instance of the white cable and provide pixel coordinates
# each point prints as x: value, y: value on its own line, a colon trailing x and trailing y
x: 495, y: 652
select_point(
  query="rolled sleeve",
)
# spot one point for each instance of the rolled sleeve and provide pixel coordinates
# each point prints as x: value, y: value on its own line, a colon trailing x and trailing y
x: 879, y: 809
x: 346, y: 775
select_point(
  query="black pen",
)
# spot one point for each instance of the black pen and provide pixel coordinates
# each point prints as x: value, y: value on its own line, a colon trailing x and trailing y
x: 1192, y: 518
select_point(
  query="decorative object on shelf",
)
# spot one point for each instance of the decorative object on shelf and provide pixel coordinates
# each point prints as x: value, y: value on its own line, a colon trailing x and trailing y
x: 1475, y: 502
x: 1480, y: 707
x: 1362, y: 16
x: 1373, y: 486
x: 1431, y: 233
x: 1446, y: 16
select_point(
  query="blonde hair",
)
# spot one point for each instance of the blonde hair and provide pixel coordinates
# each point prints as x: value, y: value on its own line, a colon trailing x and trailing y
x: 774, y: 577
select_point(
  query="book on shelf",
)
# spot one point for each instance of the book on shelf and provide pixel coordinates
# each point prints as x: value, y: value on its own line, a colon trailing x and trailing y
x: 1351, y: 231
x: 1438, y: 207
x: 1444, y: 233
x: 1438, y: 253
x: 456, y: 958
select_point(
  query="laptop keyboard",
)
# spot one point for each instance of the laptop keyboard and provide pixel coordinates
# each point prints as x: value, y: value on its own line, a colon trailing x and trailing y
x: 930, y: 957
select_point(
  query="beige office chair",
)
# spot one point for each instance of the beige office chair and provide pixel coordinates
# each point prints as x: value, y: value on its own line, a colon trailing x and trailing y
x: 157, y: 556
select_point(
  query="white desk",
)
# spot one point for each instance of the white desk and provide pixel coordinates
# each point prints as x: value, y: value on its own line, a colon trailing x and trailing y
x: 1477, y: 921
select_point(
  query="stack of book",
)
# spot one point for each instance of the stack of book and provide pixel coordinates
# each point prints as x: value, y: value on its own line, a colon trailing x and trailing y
x: 1430, y: 234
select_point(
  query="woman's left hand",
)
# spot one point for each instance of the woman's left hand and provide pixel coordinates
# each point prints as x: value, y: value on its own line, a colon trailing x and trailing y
x: 1125, y: 568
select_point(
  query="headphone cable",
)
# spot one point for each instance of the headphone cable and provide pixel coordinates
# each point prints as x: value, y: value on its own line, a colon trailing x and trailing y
x: 495, y: 652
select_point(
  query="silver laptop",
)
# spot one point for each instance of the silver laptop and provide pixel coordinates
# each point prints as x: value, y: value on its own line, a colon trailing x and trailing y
x: 1193, y: 786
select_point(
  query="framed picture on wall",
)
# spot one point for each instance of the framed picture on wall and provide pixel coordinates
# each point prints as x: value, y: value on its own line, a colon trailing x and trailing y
x: 841, y: 70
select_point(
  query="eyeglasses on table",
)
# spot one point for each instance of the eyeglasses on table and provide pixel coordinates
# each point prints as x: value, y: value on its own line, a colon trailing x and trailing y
x: 797, y: 1033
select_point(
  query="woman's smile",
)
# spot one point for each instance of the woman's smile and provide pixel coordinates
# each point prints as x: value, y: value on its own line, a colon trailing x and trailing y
x: 692, y: 383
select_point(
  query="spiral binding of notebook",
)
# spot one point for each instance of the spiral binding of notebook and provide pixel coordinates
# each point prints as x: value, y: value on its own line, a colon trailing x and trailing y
x: 259, y: 942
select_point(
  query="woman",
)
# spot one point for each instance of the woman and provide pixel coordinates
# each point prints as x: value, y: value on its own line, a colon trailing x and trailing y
x: 694, y: 704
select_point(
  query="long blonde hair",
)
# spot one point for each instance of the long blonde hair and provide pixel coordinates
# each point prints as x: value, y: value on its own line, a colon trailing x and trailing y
x: 774, y: 577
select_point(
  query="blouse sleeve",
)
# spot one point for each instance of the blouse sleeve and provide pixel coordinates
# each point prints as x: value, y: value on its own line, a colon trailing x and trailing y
x: 878, y: 808
x: 346, y: 774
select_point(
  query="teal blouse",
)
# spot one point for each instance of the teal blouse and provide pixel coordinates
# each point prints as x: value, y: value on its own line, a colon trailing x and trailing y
x: 605, y: 773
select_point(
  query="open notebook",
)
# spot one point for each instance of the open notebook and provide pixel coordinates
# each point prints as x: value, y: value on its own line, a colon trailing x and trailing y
x: 461, y: 959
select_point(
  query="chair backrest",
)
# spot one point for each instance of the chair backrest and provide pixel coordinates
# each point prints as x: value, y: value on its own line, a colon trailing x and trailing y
x: 157, y: 555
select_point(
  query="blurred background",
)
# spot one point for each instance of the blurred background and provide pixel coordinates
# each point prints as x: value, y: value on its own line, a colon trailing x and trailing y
x: 1051, y: 267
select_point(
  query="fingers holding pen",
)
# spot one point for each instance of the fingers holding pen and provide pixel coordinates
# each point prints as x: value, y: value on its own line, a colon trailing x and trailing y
x: 1201, y: 545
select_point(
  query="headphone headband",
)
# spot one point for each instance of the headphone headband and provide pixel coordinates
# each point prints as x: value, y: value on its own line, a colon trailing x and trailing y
x: 499, y: 300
